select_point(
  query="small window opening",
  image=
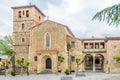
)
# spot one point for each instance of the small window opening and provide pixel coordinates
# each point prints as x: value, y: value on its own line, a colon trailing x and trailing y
x: 23, y: 39
x: 35, y: 58
x: 19, y: 14
x: 27, y: 13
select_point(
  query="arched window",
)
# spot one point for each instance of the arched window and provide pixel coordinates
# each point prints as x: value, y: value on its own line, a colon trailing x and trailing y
x: 47, y: 40
x: 19, y: 14
x: 27, y: 13
x: 23, y: 26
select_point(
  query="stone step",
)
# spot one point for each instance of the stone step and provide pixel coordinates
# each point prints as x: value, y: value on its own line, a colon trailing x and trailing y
x: 47, y: 71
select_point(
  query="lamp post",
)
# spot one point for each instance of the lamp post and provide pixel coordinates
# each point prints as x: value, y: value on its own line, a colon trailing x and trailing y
x: 69, y: 57
x: 69, y: 61
x: 13, y: 61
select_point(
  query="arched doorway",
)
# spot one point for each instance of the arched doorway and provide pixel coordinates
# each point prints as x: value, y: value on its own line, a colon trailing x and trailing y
x: 48, y: 63
x: 88, y: 62
x: 99, y: 61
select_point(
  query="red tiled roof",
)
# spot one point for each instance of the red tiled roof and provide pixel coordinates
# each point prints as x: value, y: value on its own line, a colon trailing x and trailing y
x: 56, y: 23
x: 106, y: 38
x: 113, y: 38
x: 94, y: 39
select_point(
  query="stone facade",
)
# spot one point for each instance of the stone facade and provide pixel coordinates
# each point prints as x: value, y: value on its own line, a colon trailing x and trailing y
x: 42, y: 42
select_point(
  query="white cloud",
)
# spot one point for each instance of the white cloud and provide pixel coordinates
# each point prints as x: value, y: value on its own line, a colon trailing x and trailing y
x: 7, y: 15
x: 77, y: 14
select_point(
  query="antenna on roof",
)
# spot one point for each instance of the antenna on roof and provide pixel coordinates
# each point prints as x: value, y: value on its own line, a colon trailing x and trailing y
x: 47, y: 17
x: 29, y: 3
x: 92, y: 37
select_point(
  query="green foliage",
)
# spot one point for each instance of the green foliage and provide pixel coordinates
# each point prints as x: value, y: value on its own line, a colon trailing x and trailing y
x: 6, y: 45
x: 3, y: 63
x: 22, y: 63
x: 77, y: 60
x: 109, y: 14
x: 13, y: 73
x: 27, y: 64
x: 61, y: 59
x: 118, y: 58
x: 67, y: 71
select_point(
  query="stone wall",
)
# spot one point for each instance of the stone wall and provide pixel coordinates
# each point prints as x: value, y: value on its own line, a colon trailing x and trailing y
x: 113, y: 50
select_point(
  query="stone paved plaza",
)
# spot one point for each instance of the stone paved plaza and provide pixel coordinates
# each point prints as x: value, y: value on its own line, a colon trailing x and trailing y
x: 81, y: 76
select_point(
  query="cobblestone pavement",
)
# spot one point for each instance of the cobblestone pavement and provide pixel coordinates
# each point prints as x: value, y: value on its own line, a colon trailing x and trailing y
x: 81, y: 76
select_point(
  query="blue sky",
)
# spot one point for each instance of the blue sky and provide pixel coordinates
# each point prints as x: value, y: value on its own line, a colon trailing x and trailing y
x: 77, y: 14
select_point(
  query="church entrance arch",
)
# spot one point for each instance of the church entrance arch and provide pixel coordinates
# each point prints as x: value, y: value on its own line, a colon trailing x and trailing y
x: 48, y: 63
x: 99, y: 61
x: 88, y: 62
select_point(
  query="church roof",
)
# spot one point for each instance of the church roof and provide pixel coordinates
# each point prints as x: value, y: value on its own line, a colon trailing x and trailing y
x: 106, y: 38
x: 56, y: 23
x: 28, y: 7
x: 93, y: 39
x: 113, y: 38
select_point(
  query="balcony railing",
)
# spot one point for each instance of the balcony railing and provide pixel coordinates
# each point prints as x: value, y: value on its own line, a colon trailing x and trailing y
x: 94, y: 51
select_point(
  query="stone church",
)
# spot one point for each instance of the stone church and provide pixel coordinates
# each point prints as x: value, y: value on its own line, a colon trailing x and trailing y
x: 42, y: 42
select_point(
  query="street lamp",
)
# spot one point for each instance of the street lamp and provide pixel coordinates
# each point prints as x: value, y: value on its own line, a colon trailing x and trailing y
x: 69, y: 57
x: 13, y: 61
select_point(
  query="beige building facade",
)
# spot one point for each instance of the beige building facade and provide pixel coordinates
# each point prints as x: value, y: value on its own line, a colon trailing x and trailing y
x: 42, y: 42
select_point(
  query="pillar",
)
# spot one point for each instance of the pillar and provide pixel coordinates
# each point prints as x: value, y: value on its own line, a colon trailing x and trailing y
x: 94, y: 63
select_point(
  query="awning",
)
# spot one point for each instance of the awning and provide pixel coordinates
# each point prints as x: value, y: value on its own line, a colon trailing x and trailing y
x: 1, y: 63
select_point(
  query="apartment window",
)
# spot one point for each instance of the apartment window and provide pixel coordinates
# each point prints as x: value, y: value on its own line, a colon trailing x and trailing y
x: 35, y: 58
x: 23, y: 26
x: 23, y: 39
x: 19, y: 14
x: 72, y: 44
x: 72, y: 58
x: 96, y: 45
x: 91, y: 45
x: 115, y: 61
x: 47, y: 40
x: 102, y: 45
x: 27, y: 13
x: 115, y: 48
x: 85, y: 45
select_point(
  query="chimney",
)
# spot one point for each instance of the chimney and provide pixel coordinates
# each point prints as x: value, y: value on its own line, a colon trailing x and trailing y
x: 92, y: 37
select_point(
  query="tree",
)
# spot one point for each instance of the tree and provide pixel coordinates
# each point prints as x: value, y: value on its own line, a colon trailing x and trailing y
x: 118, y: 58
x: 23, y: 65
x: 110, y: 14
x: 61, y: 59
x: 4, y: 67
x: 79, y: 61
x: 6, y: 45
